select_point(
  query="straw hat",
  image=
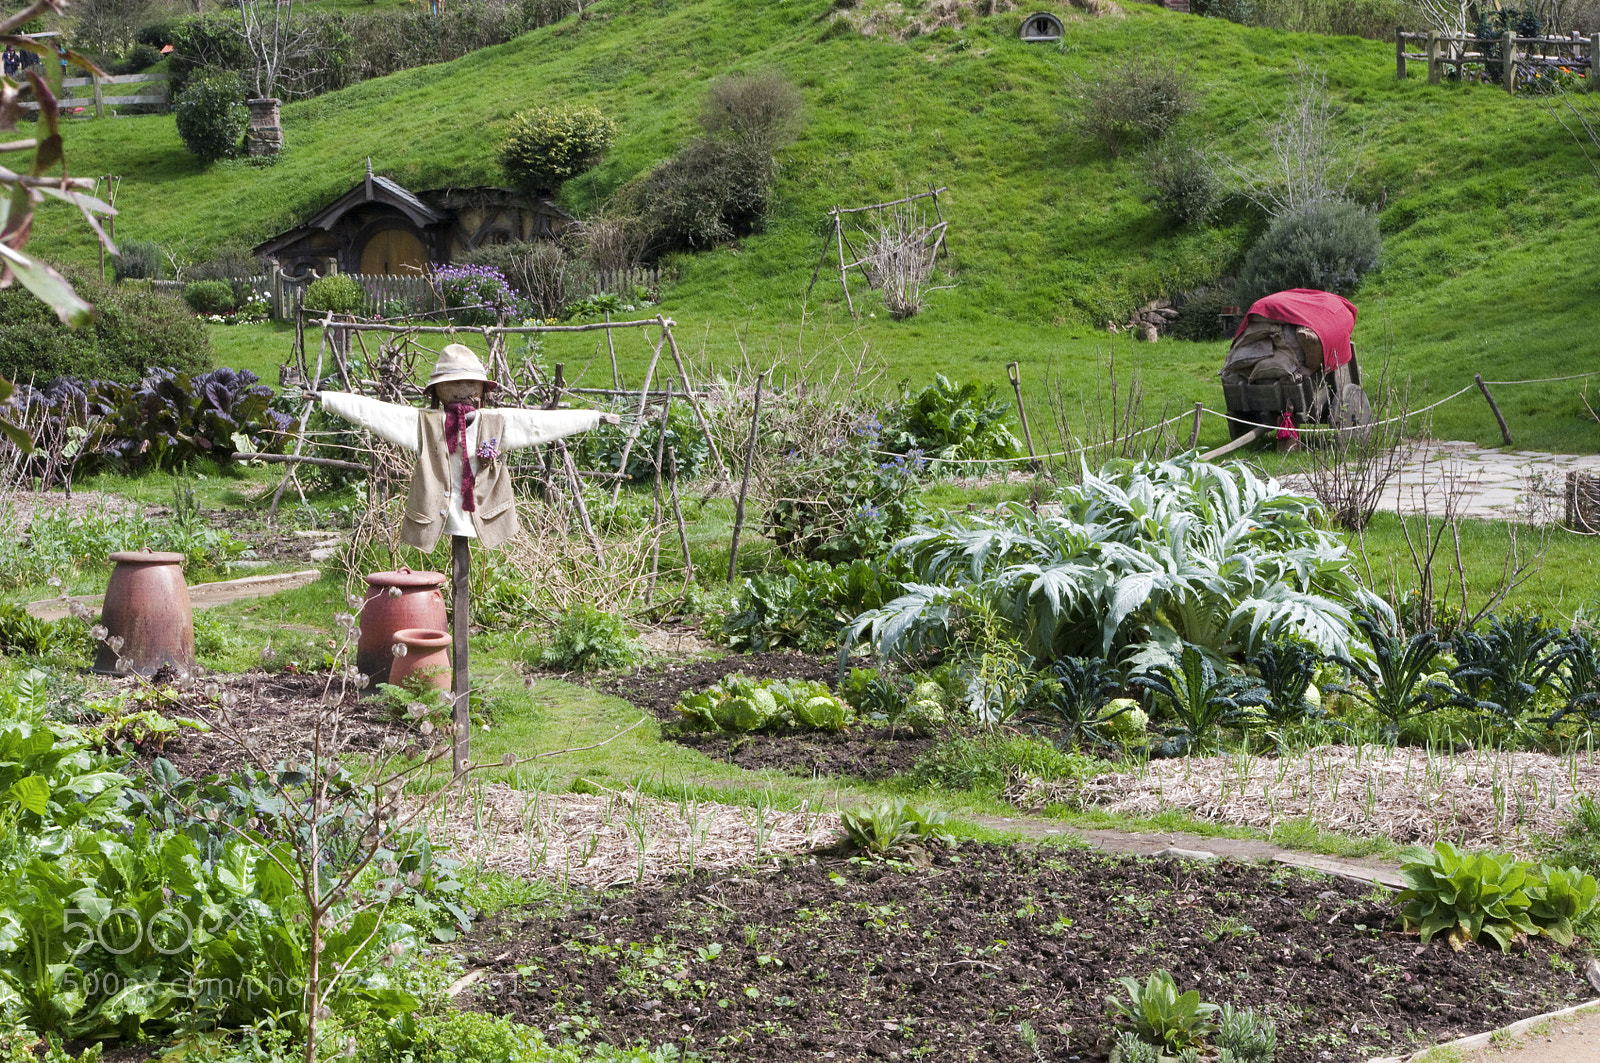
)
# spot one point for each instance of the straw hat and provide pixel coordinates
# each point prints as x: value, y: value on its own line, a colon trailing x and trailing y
x: 457, y: 362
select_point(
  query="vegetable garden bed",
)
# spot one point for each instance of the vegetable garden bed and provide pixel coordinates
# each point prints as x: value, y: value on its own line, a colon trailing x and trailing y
x: 831, y: 959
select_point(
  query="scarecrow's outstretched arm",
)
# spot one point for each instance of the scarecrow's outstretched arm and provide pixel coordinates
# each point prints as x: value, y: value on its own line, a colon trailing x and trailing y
x: 526, y: 428
x: 388, y: 421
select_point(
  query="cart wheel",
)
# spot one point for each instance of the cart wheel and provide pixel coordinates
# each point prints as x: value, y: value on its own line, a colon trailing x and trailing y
x: 1321, y: 410
x: 1352, y: 414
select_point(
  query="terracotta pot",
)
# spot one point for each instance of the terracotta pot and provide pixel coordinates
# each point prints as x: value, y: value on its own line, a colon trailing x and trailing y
x: 427, y: 652
x: 147, y: 606
x: 394, y: 602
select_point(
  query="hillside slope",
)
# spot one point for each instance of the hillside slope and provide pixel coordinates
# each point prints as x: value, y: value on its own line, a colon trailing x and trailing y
x: 1487, y: 206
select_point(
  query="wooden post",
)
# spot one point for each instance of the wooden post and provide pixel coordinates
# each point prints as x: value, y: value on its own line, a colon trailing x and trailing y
x: 1400, y: 53
x: 655, y: 538
x: 1589, y: 81
x: 638, y: 418
x: 677, y: 513
x: 1435, y: 68
x: 688, y: 393
x: 616, y: 380
x: 1194, y: 433
x: 1022, y: 411
x: 1508, y: 67
x: 99, y: 98
x: 1505, y: 433
x: 460, y: 606
x: 744, y: 484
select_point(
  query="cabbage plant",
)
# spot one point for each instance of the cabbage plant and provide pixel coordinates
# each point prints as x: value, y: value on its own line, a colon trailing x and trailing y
x: 1134, y: 562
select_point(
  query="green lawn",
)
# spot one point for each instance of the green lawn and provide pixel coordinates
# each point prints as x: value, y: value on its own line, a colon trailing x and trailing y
x: 1487, y: 207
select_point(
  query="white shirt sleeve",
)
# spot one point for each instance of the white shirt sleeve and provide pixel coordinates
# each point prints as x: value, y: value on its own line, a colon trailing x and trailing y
x: 526, y: 428
x: 388, y: 421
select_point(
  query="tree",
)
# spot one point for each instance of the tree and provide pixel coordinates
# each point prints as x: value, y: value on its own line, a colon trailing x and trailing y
x: 1310, y: 161
x: 106, y: 27
x: 28, y: 185
x: 276, y: 37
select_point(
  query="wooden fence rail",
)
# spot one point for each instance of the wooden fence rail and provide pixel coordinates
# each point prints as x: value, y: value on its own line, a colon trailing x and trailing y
x: 1520, y: 59
x: 70, y: 102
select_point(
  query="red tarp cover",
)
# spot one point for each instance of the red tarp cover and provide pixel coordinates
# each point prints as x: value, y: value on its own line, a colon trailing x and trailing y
x: 1331, y: 317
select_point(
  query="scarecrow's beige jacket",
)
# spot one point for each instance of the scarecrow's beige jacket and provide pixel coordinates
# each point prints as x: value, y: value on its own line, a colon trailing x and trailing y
x: 433, y: 507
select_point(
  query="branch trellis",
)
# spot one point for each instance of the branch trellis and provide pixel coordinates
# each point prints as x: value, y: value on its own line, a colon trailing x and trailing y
x: 388, y: 370
x: 929, y: 238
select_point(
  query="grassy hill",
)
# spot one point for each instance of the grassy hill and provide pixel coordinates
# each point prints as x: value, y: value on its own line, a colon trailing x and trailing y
x: 1488, y: 208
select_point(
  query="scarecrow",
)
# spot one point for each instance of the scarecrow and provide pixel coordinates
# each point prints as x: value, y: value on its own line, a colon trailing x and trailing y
x: 461, y: 486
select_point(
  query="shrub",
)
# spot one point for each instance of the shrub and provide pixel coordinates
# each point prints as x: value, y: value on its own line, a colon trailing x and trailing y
x: 844, y: 505
x: 951, y: 421
x: 1200, y: 315
x: 479, y: 293
x: 139, y: 58
x: 211, y: 115
x: 1468, y: 895
x: 587, y: 639
x: 139, y: 259
x: 712, y: 190
x: 760, y: 111
x: 989, y: 763
x: 547, y: 145
x: 1131, y: 101
x: 1183, y: 184
x: 210, y: 297
x: 1330, y: 246
x: 540, y: 271
x: 134, y: 328
x: 805, y: 608
x: 201, y: 44
x: 336, y: 293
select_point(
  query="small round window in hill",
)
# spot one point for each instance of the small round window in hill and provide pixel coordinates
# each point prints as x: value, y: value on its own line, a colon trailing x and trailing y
x: 1041, y: 28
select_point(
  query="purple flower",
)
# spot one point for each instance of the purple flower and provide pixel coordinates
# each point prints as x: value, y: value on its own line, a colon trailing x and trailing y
x: 490, y: 450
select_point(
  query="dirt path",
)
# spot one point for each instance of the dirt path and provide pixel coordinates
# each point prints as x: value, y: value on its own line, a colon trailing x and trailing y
x: 201, y: 595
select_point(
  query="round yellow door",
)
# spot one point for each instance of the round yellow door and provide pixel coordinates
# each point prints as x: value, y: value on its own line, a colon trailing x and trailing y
x: 396, y: 251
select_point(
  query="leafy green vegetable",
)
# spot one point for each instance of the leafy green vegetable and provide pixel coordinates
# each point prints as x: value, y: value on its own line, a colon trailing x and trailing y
x: 1161, y: 1016
x: 741, y: 705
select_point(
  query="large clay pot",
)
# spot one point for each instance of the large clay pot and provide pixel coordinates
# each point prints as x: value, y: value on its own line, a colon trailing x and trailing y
x: 396, y: 601
x: 427, y: 652
x: 147, y: 606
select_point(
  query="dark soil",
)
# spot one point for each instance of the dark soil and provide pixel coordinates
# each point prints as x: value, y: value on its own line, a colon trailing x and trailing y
x: 273, y: 718
x: 828, y: 959
x: 863, y: 752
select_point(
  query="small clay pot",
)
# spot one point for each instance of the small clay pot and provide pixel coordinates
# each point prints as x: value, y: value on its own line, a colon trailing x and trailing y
x: 427, y: 653
x: 396, y: 601
x: 147, y: 606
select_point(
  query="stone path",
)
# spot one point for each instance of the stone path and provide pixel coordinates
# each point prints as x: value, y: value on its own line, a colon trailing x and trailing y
x: 1489, y: 483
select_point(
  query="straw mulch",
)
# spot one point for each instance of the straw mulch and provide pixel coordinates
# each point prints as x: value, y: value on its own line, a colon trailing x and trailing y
x: 615, y: 838
x: 1479, y: 798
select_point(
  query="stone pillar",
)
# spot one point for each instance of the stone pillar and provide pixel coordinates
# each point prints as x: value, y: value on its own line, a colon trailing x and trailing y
x: 265, y: 135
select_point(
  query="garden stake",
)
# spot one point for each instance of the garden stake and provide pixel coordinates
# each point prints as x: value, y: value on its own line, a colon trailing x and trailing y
x: 688, y: 393
x: 1194, y: 433
x: 744, y: 484
x: 1505, y: 433
x: 300, y: 434
x: 677, y: 513
x: 1022, y: 411
x: 655, y: 539
x: 616, y: 380
x: 638, y: 418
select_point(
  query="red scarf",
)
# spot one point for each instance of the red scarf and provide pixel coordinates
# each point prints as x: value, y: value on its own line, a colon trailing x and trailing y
x: 455, y: 439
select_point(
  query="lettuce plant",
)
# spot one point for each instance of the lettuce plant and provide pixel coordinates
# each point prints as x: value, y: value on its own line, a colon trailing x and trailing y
x: 741, y: 705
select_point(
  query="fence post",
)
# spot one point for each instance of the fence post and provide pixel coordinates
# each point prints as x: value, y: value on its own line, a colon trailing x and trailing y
x: 1594, y: 68
x: 99, y: 105
x: 1508, y: 68
x: 1400, y: 53
x: 1435, y: 68
x: 275, y: 291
